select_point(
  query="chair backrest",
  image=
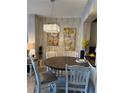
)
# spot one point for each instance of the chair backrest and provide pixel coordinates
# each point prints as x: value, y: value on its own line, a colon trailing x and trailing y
x: 71, y: 53
x: 77, y: 75
x: 37, y: 76
x: 50, y: 54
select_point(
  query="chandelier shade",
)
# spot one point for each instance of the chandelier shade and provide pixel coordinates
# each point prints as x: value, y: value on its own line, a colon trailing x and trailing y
x: 51, y: 28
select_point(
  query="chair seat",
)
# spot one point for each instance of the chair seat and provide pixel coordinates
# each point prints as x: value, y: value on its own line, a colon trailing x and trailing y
x: 48, y: 77
x: 60, y: 82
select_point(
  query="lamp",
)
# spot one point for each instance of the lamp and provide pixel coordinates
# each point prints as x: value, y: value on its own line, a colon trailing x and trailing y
x: 51, y: 28
x: 31, y: 48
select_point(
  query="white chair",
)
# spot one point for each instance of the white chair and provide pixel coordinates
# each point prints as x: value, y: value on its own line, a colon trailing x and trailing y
x: 29, y: 67
x: 77, y: 78
x: 50, y: 54
x: 43, y: 80
x: 71, y: 53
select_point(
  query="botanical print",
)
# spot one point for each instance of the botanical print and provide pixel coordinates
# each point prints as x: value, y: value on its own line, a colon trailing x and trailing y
x: 52, y: 39
x: 69, y: 38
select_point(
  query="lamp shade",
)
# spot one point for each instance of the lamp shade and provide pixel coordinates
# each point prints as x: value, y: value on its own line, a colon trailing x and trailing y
x: 31, y: 48
x: 51, y: 28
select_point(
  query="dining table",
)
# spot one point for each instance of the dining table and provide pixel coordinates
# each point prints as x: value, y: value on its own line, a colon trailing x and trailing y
x: 59, y: 62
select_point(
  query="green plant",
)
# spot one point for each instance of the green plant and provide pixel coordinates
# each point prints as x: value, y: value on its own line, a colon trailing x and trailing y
x: 85, y: 43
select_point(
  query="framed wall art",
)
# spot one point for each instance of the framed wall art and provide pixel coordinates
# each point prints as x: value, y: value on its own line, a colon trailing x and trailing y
x: 52, y: 39
x: 70, y: 38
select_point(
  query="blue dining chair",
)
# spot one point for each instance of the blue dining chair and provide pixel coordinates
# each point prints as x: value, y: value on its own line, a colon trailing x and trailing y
x: 77, y: 78
x: 45, y: 80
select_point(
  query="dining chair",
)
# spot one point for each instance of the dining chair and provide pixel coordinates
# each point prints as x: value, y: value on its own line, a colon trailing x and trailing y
x: 50, y: 54
x: 77, y: 78
x: 29, y: 67
x: 43, y: 81
x: 70, y: 53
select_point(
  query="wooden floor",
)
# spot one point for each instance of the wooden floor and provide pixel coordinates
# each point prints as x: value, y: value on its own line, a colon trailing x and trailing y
x: 30, y: 84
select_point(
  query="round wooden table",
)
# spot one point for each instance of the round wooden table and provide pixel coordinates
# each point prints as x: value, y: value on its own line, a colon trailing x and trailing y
x: 59, y: 62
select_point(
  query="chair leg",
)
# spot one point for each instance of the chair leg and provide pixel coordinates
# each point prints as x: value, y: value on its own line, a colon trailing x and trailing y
x: 48, y: 69
x: 52, y: 87
x: 66, y: 89
x: 86, y: 89
x: 36, y: 90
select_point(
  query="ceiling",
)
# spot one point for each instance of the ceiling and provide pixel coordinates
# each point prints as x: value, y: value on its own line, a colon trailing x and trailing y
x: 62, y: 8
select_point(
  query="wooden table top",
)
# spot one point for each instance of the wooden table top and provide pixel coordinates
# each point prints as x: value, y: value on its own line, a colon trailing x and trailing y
x: 59, y: 62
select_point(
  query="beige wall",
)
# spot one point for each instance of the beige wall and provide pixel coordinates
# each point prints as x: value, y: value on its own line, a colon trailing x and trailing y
x: 84, y: 32
x: 38, y: 34
x: 41, y: 37
x: 31, y: 33
x: 93, y: 34
x: 31, y: 28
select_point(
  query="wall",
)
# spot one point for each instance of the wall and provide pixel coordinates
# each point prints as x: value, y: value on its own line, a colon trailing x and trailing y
x: 38, y: 34
x: 31, y: 28
x: 41, y: 37
x: 91, y: 8
x: 79, y: 38
x: 84, y: 29
x: 88, y: 15
x: 31, y: 31
x: 93, y: 34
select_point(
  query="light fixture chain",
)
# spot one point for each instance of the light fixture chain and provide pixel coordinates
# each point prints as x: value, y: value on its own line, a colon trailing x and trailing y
x: 52, y: 9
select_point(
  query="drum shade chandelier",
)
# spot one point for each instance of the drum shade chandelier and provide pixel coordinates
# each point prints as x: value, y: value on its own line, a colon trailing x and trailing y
x: 51, y: 28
